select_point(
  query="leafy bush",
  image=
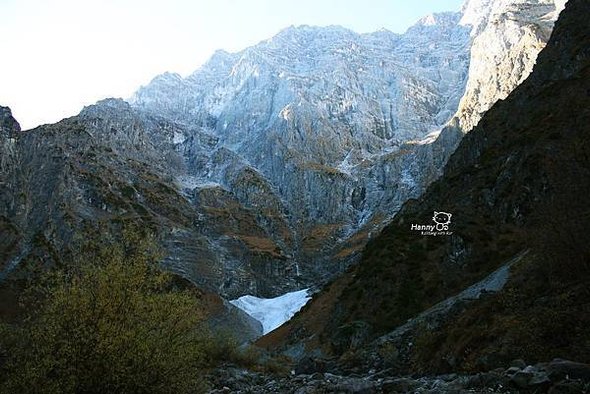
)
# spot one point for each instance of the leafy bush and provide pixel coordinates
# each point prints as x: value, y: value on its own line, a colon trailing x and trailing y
x: 114, y: 324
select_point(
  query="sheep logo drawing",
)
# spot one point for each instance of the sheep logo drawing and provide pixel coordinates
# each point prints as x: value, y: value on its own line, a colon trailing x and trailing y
x: 441, y: 220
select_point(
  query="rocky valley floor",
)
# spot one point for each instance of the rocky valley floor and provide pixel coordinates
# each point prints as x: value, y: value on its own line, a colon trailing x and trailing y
x: 555, y: 377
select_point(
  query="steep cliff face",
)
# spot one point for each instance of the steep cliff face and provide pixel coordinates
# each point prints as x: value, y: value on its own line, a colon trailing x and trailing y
x: 319, y: 115
x: 510, y: 278
x: 331, y: 74
x: 507, y: 36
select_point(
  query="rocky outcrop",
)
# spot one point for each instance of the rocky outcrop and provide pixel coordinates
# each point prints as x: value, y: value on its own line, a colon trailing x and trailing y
x: 85, y: 179
x: 7, y: 122
x: 9, y: 128
x: 9, y: 242
x: 112, y: 164
x: 224, y: 319
x: 507, y: 37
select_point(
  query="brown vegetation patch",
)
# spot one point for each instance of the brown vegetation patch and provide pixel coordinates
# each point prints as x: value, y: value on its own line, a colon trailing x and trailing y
x: 260, y: 245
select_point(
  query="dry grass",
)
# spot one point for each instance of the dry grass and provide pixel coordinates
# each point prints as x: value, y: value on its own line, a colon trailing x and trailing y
x: 260, y: 245
x: 318, y: 236
x: 318, y: 167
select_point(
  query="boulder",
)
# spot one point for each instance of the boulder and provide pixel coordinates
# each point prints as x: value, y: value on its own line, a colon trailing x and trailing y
x: 559, y: 369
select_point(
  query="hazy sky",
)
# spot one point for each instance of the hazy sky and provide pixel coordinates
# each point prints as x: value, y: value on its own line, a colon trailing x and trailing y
x: 59, y: 55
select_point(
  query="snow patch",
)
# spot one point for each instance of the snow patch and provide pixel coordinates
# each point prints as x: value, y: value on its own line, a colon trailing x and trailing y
x: 273, y: 312
x: 178, y: 138
x: 346, y: 166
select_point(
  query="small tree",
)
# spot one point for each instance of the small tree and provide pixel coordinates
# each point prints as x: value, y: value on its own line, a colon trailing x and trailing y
x: 116, y: 324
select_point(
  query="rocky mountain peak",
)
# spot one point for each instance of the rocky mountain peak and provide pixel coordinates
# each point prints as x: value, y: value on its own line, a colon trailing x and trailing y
x: 112, y: 109
x: 7, y: 122
x: 308, y: 32
x: 115, y: 103
x: 443, y: 19
x: 167, y: 77
x: 219, y: 61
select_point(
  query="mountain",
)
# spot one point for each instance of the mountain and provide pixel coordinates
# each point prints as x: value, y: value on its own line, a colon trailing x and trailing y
x: 266, y: 170
x: 507, y: 277
x: 338, y: 127
x: 84, y: 181
x: 311, y: 114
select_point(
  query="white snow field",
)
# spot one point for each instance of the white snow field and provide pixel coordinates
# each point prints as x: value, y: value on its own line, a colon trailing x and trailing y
x: 273, y: 312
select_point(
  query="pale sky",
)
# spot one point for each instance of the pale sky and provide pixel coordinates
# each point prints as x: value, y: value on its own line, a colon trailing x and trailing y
x: 59, y: 55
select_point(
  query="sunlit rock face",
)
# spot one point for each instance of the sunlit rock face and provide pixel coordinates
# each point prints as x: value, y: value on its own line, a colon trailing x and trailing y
x: 507, y: 37
x: 309, y: 129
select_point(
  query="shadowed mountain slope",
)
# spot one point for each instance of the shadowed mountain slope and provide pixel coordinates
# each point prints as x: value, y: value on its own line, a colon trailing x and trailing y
x: 518, y: 186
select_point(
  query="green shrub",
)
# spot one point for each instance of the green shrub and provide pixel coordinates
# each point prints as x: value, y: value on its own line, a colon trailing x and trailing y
x: 115, y: 324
